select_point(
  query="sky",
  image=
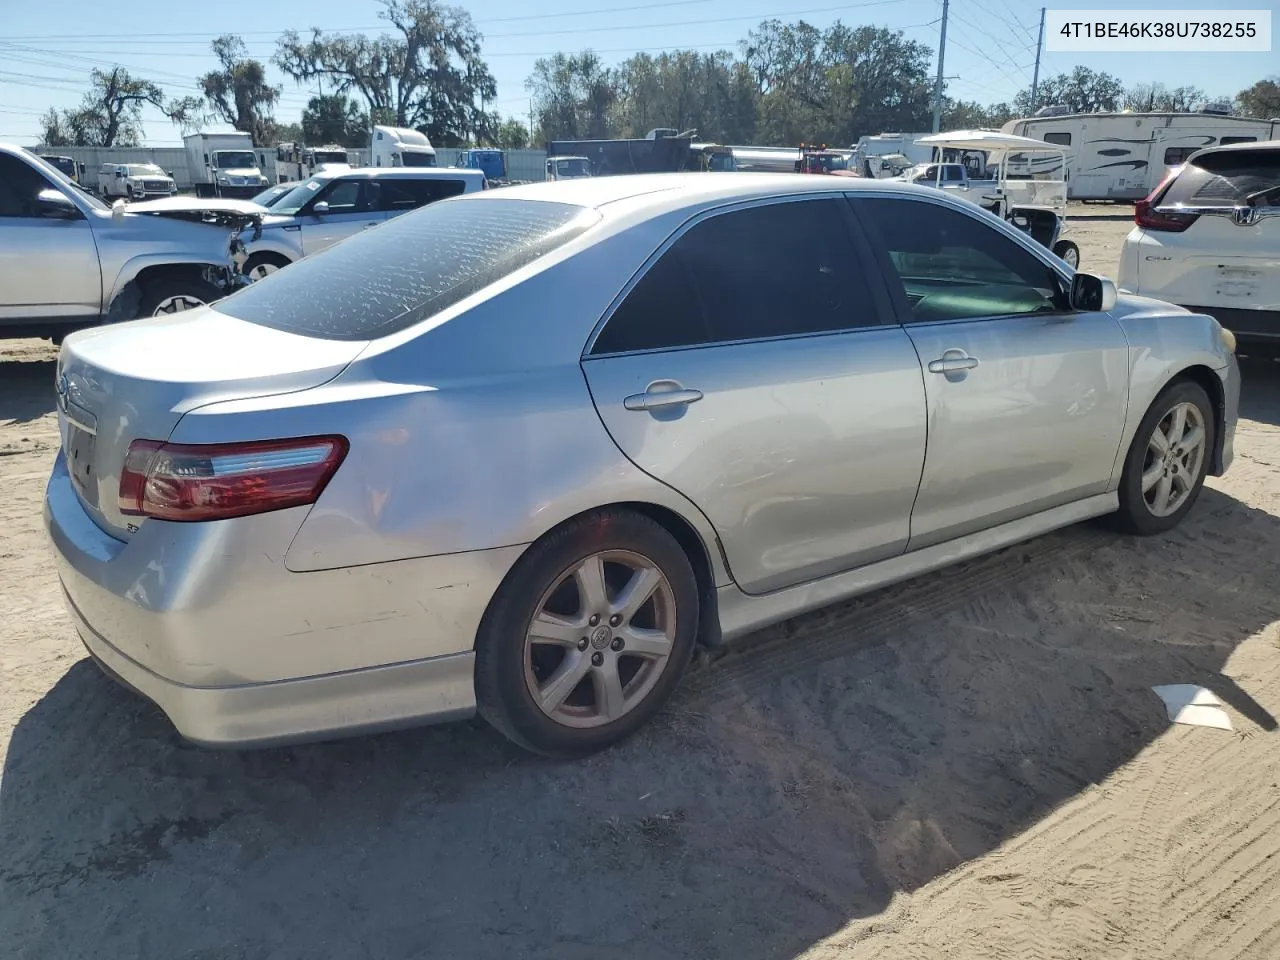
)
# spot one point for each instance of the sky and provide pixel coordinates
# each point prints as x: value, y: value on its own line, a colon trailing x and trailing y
x: 46, y: 52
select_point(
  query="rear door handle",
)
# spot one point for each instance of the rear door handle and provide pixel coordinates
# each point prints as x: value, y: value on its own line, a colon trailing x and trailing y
x: 660, y: 394
x: 951, y: 361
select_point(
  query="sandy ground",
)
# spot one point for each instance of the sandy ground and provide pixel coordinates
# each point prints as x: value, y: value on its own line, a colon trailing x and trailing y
x: 970, y: 766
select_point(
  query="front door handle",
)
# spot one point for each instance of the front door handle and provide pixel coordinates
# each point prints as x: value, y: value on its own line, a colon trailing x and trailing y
x: 953, y: 361
x: 660, y: 394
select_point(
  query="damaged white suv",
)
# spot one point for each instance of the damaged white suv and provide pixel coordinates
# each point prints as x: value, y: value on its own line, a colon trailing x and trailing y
x: 68, y: 261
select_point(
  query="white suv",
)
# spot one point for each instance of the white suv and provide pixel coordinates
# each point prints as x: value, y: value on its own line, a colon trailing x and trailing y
x: 1208, y: 238
x: 135, y: 181
x: 332, y: 206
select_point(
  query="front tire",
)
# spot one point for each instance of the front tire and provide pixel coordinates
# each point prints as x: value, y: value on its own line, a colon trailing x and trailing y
x: 1167, y: 461
x: 588, y: 636
x: 262, y: 265
x: 164, y: 297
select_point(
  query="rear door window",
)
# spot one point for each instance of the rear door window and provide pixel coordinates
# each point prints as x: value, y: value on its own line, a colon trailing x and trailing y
x: 398, y: 195
x: 775, y: 270
x: 382, y: 281
x: 1227, y: 178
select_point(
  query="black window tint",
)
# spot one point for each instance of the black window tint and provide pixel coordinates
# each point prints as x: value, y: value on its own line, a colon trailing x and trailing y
x: 416, y: 265
x: 662, y: 310
x: 1062, y: 139
x: 20, y: 186
x: 1225, y: 178
x: 399, y: 195
x: 1227, y: 141
x: 953, y: 266
x: 783, y: 269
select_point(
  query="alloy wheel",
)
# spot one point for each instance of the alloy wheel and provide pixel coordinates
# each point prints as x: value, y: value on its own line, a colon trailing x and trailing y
x: 172, y: 305
x: 600, y: 639
x: 1175, y: 454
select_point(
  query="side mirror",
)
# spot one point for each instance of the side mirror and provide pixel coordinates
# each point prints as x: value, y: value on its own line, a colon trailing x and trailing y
x: 320, y: 209
x: 55, y: 205
x: 1092, y: 294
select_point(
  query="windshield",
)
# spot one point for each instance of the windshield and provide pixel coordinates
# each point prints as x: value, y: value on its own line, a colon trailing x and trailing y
x: 330, y: 156
x: 144, y: 170
x: 297, y: 198
x: 417, y: 158
x: 1227, y: 178
x: 272, y: 195
x: 235, y: 159
x: 577, y: 167
x: 65, y: 164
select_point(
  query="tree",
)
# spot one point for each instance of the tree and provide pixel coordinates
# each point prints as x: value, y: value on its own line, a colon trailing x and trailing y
x: 1149, y: 97
x: 836, y: 84
x: 688, y: 90
x: 970, y: 115
x: 573, y: 97
x: 1260, y: 100
x: 513, y: 134
x: 110, y: 115
x: 334, y: 118
x: 1081, y: 91
x: 55, y: 131
x: 428, y: 75
x: 238, y: 91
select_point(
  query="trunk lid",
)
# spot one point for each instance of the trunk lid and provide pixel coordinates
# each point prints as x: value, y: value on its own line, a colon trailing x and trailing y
x: 135, y: 381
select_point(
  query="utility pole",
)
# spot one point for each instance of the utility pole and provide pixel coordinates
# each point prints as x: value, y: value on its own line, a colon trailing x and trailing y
x: 937, y: 87
x: 1035, y: 77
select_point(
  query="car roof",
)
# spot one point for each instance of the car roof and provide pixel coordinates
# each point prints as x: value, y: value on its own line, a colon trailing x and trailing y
x: 1268, y: 145
x: 662, y: 191
x: 410, y: 173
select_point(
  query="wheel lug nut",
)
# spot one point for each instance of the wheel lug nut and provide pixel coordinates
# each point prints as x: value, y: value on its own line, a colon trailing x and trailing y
x: 617, y: 644
x: 597, y: 659
x: 582, y: 643
x: 615, y: 620
x: 595, y: 618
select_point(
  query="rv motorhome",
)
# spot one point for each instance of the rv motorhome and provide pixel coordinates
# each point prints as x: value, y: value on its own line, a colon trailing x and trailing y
x: 1124, y: 156
x: 398, y: 147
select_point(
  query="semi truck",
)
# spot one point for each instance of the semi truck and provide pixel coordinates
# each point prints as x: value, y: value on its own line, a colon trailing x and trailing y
x: 223, y: 165
x: 400, y: 147
x: 489, y: 161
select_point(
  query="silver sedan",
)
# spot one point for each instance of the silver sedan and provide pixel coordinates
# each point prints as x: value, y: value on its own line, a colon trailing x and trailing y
x: 520, y: 451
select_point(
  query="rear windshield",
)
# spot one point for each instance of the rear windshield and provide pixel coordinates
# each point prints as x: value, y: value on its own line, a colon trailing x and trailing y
x: 1226, y: 179
x: 410, y: 268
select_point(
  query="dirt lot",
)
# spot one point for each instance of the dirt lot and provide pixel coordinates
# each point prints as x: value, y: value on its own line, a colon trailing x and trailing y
x: 970, y: 766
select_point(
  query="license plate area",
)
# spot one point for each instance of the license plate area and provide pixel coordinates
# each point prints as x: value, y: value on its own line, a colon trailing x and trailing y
x: 79, y: 450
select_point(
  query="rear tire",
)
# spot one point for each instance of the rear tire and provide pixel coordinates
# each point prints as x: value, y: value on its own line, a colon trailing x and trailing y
x: 642, y: 648
x: 1167, y: 462
x: 167, y: 296
x: 1068, y: 253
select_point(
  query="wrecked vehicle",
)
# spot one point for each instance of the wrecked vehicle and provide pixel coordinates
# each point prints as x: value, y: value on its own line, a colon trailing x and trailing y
x: 69, y: 261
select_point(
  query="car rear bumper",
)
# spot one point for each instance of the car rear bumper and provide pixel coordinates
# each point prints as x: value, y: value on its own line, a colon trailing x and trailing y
x: 206, y: 621
x: 1245, y: 324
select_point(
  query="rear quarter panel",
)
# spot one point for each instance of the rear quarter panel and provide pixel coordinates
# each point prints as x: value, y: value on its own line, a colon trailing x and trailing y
x: 470, y: 432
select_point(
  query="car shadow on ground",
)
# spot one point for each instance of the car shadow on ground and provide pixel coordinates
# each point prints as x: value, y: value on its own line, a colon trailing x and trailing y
x: 26, y: 389
x: 798, y: 782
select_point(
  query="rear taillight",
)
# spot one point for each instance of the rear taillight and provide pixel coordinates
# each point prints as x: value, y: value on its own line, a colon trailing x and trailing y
x: 175, y: 481
x: 1146, y: 216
